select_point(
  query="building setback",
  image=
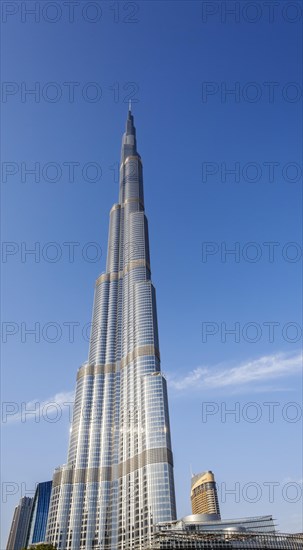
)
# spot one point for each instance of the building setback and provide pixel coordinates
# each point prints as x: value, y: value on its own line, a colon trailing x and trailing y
x: 118, y: 480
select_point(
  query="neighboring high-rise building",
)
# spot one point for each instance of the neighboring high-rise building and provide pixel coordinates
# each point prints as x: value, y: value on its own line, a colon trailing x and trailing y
x: 204, y: 496
x: 39, y: 514
x: 19, y: 528
x: 118, y: 481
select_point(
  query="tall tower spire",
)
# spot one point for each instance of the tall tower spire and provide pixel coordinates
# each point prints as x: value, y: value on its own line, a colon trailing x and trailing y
x: 129, y: 143
x: 118, y: 480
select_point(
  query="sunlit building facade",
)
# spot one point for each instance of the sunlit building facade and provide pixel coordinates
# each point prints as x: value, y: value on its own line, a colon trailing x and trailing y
x: 118, y: 481
x: 203, y: 494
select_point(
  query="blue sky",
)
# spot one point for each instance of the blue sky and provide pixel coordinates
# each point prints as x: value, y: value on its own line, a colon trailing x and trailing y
x: 177, y: 60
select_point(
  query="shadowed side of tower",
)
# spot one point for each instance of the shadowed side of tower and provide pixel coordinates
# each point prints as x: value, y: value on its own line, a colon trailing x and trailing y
x: 118, y: 480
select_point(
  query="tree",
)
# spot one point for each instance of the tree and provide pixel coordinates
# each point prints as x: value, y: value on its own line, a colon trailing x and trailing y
x: 41, y: 546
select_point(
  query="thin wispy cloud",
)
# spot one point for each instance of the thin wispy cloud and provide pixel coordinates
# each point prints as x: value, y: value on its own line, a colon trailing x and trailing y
x: 37, y: 410
x: 260, y: 370
x: 263, y: 370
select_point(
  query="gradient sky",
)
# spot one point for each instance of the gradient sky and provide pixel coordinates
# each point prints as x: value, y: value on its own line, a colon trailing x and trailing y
x: 161, y: 54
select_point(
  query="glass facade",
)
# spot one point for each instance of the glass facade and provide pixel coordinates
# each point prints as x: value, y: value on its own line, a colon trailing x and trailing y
x: 203, y: 495
x: 118, y: 480
x: 20, y: 524
x: 38, y: 521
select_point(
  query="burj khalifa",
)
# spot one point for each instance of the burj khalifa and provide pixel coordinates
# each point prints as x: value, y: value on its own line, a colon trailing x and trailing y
x: 118, y: 480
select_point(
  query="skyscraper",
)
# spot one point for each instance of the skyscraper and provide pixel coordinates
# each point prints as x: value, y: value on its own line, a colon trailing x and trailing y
x: 39, y: 514
x: 19, y: 528
x: 204, y: 496
x: 118, y: 481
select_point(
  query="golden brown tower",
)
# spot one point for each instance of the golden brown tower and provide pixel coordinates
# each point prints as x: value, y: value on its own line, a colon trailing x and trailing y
x: 204, y: 497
